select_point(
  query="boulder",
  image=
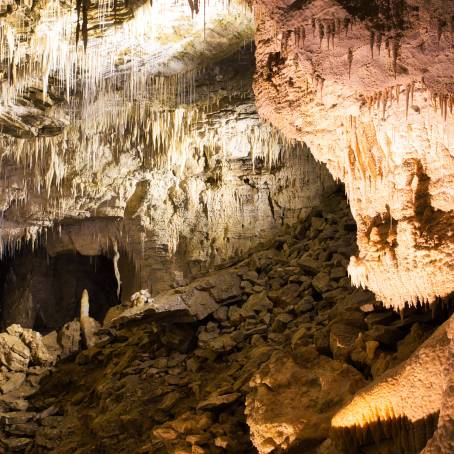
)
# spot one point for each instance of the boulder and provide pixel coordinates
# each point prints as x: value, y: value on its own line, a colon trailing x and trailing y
x: 342, y: 339
x: 69, y: 338
x: 224, y: 286
x: 293, y: 398
x: 256, y: 303
x: 50, y: 341
x: 309, y: 265
x: 218, y: 401
x: 321, y: 282
x: 387, y: 335
x: 183, y: 305
x: 14, y: 354
x: 15, y: 379
x: 34, y: 341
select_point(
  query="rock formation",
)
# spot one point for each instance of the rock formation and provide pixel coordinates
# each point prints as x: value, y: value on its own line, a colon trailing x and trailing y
x: 173, y: 258
x: 162, y: 161
x: 369, y: 90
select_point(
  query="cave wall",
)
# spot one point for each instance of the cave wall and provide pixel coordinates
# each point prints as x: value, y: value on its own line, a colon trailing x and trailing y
x: 177, y: 182
x: 368, y: 87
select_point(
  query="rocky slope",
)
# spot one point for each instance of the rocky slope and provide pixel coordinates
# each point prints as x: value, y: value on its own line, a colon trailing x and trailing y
x: 368, y: 86
x: 255, y: 357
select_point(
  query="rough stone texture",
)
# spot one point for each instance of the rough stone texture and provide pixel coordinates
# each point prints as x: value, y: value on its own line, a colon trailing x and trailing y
x: 176, y: 174
x: 252, y: 336
x: 34, y: 341
x: 292, y: 401
x: 14, y: 354
x: 416, y: 391
x: 377, y: 125
x: 69, y: 338
x: 194, y: 302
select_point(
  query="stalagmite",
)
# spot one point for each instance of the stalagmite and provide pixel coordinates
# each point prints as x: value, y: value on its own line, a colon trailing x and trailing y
x: 116, y: 258
x: 88, y: 325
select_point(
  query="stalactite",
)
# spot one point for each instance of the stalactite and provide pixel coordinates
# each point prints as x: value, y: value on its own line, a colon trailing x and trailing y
x: 350, y: 61
x: 441, y: 23
x: 407, y: 98
x: 314, y: 25
x: 395, y: 50
x: 333, y: 32
x: 397, y: 93
x: 385, y: 101
x: 372, y: 42
x: 387, y: 46
x: 329, y: 32
x: 434, y: 101
x: 115, y: 260
x: 346, y: 24
x: 300, y: 36
x: 370, y: 101
x: 321, y: 32
x: 379, y: 41
x: 338, y: 26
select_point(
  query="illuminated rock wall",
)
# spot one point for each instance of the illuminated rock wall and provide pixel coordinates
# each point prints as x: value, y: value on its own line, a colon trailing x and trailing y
x: 369, y: 89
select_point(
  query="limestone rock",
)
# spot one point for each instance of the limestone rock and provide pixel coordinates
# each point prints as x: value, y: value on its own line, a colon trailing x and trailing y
x: 342, y: 339
x: 50, y: 341
x: 88, y: 325
x: 291, y: 403
x: 218, y: 401
x: 35, y: 342
x: 414, y: 390
x: 69, y: 338
x: 15, y: 379
x: 321, y: 282
x: 14, y: 354
x: 185, y: 305
x: 224, y: 286
x: 403, y: 217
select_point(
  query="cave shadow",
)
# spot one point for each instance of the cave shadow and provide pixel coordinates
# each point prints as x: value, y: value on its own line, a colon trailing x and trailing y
x: 391, y: 436
x: 43, y: 293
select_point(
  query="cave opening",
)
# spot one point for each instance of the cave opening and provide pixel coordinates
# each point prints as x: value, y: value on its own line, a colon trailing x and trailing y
x: 43, y: 292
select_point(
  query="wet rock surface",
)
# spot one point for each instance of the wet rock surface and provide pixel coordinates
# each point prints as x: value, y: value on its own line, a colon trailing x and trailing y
x: 254, y: 358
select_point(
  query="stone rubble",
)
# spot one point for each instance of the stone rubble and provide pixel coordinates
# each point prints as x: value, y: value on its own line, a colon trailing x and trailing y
x: 257, y: 357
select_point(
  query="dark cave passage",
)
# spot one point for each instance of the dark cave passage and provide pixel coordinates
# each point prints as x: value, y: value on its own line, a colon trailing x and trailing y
x: 43, y: 292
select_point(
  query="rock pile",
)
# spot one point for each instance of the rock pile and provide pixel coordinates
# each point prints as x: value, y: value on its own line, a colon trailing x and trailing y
x: 256, y: 357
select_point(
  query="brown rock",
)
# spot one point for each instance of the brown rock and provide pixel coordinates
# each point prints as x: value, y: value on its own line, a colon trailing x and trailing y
x: 14, y: 354
x: 292, y: 403
x: 69, y: 338
x: 342, y: 339
x: 165, y: 433
x: 218, y: 401
x: 34, y: 341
